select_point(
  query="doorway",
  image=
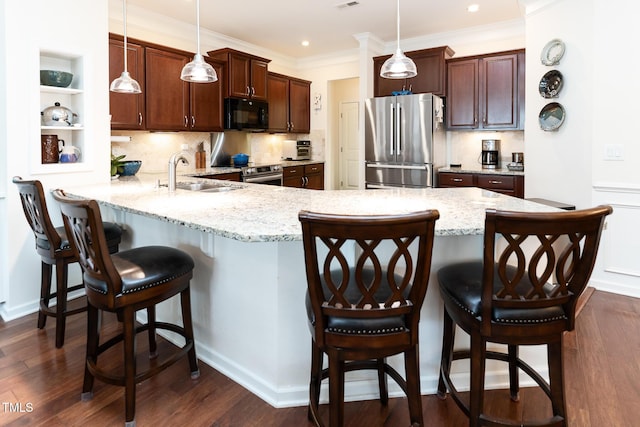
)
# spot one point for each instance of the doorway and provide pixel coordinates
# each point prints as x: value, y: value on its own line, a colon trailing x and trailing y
x: 343, y: 133
x: 349, y: 152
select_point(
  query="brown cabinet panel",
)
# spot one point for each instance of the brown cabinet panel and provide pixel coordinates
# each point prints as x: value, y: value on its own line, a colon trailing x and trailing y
x: 278, y: 89
x: 499, y: 77
x: 462, y: 94
x: 167, y: 95
x: 431, y: 78
x: 246, y: 75
x: 127, y: 110
x: 512, y: 185
x: 309, y: 176
x: 289, y: 104
x: 455, y: 179
x: 486, y: 92
x: 206, y: 103
x: 229, y: 176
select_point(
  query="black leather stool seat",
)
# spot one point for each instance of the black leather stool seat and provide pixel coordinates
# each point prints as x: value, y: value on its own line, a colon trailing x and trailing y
x: 462, y: 282
x: 346, y: 325
x: 112, y: 232
x: 146, y: 267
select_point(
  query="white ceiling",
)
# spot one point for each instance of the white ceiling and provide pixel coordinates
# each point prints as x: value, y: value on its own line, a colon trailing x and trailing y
x: 281, y: 25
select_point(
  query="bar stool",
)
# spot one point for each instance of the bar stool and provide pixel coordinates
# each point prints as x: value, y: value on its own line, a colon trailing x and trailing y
x: 367, y: 277
x: 523, y: 292
x: 53, y: 247
x: 124, y: 283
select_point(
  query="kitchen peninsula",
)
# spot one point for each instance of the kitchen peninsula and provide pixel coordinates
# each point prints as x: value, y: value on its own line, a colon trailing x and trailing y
x: 249, y: 281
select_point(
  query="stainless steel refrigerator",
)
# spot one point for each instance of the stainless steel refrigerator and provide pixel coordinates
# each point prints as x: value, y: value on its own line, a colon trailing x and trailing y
x: 404, y: 141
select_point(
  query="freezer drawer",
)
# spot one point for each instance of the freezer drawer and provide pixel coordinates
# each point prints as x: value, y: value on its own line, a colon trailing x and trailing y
x: 395, y: 175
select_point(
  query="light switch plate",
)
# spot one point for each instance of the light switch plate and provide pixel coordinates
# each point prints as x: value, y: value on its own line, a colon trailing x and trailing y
x: 614, y: 152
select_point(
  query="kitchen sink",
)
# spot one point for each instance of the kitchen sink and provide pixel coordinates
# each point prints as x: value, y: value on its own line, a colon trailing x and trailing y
x: 209, y: 187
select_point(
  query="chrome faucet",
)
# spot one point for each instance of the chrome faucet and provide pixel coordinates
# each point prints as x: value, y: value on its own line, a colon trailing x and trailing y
x: 173, y: 163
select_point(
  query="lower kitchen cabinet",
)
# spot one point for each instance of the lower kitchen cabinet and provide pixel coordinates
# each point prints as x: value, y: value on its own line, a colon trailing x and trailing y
x: 229, y: 176
x: 511, y: 185
x: 309, y: 176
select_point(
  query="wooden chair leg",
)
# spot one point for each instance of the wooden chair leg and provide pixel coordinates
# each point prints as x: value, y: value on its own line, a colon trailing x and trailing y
x: 382, y: 382
x: 185, y: 304
x: 412, y: 375
x: 129, y: 365
x: 315, y: 381
x: 45, y: 292
x: 556, y: 379
x: 61, y: 301
x: 151, y: 321
x: 448, y: 336
x: 477, y: 363
x: 336, y: 390
x: 514, y: 380
x: 93, y: 340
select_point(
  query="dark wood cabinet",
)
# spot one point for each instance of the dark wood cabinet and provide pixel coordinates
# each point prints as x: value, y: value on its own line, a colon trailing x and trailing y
x: 246, y: 75
x: 512, y: 185
x: 289, y: 104
x: 486, y: 92
x: 228, y: 176
x: 173, y: 104
x: 127, y: 110
x: 206, y: 108
x: 310, y: 176
x: 431, y: 78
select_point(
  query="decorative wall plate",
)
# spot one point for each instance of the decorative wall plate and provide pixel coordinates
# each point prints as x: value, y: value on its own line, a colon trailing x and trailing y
x: 550, y: 84
x: 552, y: 52
x: 551, y: 116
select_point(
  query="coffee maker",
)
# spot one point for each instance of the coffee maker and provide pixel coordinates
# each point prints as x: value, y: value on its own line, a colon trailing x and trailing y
x: 490, y: 157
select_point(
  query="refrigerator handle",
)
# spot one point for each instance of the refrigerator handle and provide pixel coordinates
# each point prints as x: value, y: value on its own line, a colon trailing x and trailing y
x: 398, y: 122
x: 392, y: 128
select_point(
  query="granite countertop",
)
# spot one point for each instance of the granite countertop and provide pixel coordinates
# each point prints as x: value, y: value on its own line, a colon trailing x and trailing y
x: 263, y: 213
x: 500, y: 171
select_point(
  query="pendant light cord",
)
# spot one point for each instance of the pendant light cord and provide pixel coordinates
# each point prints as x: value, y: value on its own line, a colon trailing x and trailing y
x: 124, y: 18
x: 198, y: 23
x: 398, y: 24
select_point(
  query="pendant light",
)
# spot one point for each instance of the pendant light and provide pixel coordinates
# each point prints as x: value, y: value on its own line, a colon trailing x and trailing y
x: 398, y: 66
x: 124, y: 83
x: 198, y: 71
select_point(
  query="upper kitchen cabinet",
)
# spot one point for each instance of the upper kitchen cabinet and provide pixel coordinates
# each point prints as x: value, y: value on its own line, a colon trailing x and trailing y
x: 173, y: 104
x: 431, y: 78
x: 486, y: 92
x: 246, y: 75
x: 127, y: 110
x: 289, y: 104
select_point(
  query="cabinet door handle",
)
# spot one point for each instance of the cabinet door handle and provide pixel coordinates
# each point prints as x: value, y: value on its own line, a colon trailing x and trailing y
x: 193, y: 121
x: 253, y: 91
x: 456, y: 179
x: 139, y: 119
x: 186, y: 121
x: 495, y: 182
x: 248, y: 92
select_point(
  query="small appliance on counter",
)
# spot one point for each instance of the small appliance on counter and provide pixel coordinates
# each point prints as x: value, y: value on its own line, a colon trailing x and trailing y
x: 296, y: 150
x: 517, y: 162
x: 490, y: 156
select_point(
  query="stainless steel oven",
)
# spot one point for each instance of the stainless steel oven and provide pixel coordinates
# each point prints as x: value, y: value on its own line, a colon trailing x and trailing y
x: 264, y: 174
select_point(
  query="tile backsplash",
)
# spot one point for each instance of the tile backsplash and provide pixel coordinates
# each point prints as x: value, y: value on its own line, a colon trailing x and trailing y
x: 155, y: 148
x: 465, y: 147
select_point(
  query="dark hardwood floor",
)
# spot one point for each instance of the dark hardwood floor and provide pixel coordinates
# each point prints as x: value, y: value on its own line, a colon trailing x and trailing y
x: 40, y: 385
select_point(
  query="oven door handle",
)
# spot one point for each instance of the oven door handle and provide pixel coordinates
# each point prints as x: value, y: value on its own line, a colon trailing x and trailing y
x: 264, y: 178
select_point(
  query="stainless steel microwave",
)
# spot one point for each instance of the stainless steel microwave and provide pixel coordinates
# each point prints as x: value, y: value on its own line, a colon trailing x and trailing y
x: 240, y: 114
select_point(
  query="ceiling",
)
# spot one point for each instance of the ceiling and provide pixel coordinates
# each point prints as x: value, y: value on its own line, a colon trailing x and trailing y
x: 282, y: 25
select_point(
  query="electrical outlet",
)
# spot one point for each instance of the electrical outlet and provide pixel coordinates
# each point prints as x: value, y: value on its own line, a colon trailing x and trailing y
x: 614, y: 152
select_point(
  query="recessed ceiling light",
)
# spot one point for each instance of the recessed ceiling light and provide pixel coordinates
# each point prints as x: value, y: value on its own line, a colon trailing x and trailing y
x: 305, y: 43
x: 473, y: 8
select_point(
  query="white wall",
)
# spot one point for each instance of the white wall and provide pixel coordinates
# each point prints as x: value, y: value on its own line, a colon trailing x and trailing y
x: 78, y: 28
x: 599, y: 96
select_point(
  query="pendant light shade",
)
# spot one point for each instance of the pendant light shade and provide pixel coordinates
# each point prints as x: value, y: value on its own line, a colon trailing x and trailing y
x: 124, y: 83
x: 399, y: 66
x: 198, y: 71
